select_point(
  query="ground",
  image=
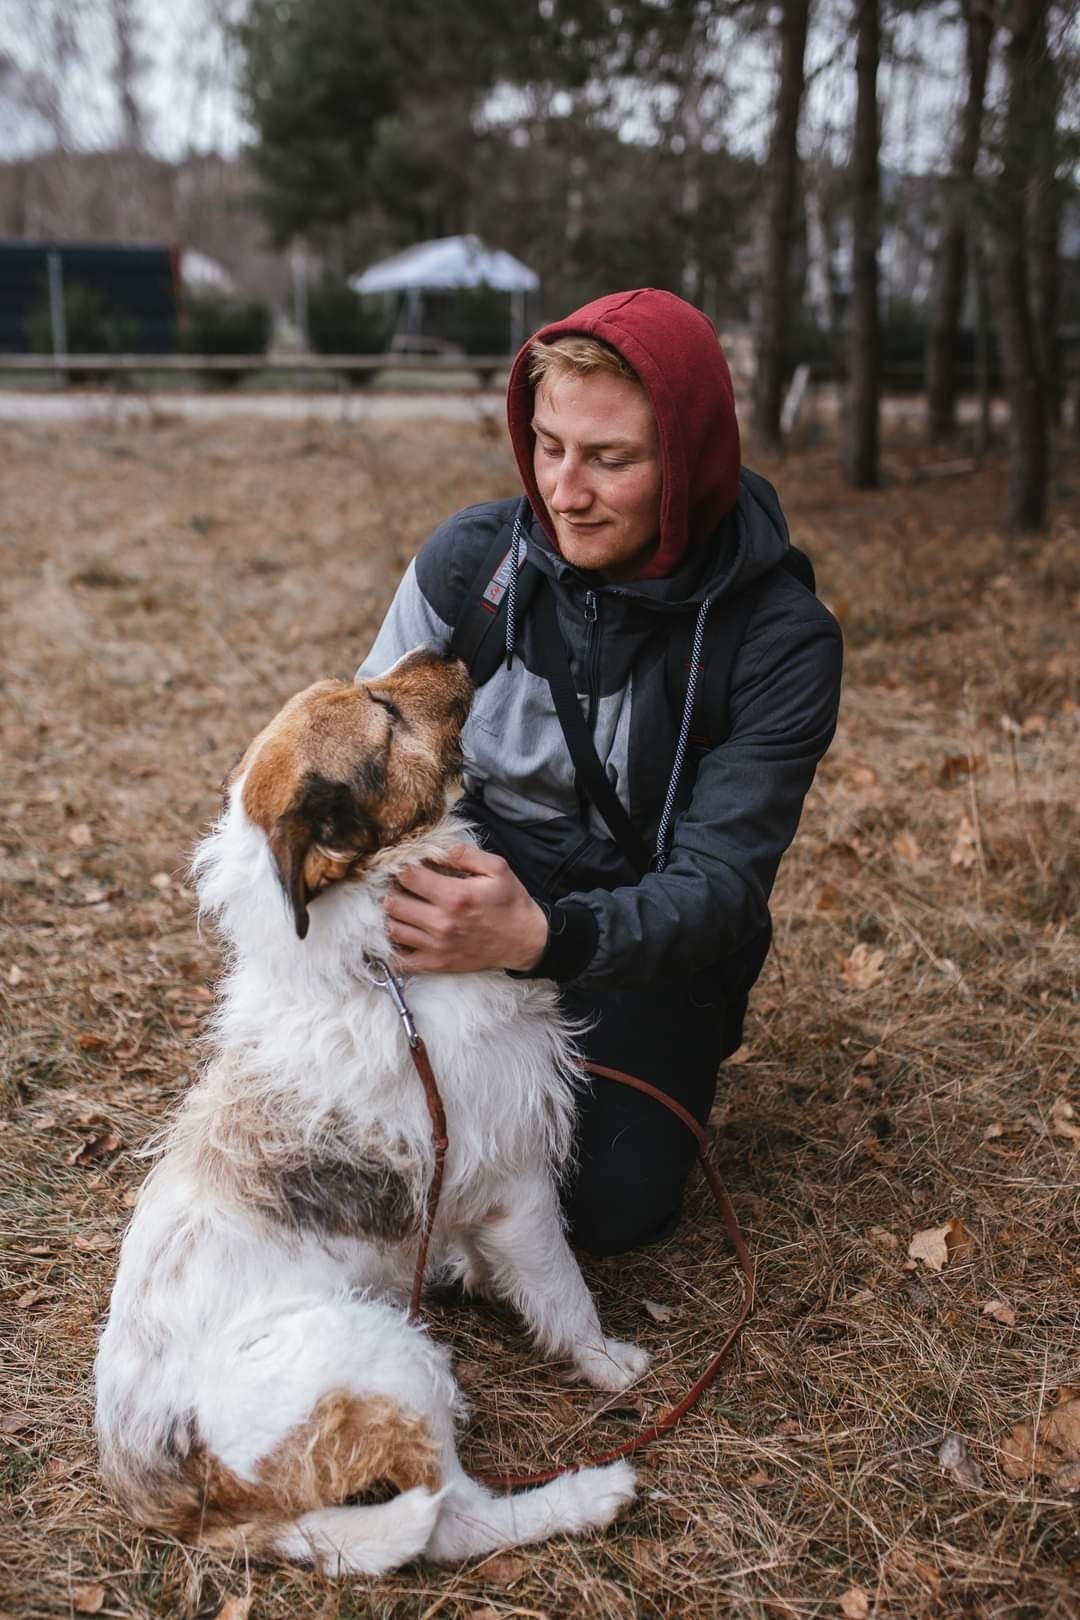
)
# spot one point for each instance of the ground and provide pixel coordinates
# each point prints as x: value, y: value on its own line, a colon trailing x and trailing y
x: 909, y: 1061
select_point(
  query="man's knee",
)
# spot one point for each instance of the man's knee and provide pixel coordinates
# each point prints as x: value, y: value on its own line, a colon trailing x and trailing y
x: 615, y: 1220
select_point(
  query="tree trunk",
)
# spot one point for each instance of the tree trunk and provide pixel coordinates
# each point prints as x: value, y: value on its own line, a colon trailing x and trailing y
x: 864, y: 350
x: 1026, y: 500
x: 1044, y: 216
x: 952, y: 261
x: 775, y: 324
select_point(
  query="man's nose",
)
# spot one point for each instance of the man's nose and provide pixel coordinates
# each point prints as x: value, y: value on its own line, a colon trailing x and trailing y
x: 571, y: 492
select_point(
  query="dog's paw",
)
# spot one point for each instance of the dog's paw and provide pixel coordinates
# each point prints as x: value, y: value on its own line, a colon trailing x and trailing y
x: 604, y: 1492
x: 613, y: 1366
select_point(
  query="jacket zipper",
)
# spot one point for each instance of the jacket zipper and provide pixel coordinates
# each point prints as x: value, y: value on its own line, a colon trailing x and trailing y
x: 592, y: 655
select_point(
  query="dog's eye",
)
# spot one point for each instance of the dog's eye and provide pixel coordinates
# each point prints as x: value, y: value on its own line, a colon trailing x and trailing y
x: 384, y: 703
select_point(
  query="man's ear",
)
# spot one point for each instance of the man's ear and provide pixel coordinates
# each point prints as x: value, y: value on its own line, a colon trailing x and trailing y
x: 290, y: 839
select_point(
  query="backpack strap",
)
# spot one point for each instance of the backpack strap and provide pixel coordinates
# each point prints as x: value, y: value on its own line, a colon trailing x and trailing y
x: 591, y: 780
x: 479, y: 636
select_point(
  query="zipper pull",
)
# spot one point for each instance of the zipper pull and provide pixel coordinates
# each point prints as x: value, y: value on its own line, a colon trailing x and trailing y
x: 591, y: 609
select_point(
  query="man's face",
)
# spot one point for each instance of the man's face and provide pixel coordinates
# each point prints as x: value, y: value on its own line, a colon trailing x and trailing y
x: 597, y: 464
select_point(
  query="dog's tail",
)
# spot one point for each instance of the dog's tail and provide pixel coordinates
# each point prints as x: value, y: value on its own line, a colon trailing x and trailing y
x: 364, y: 1540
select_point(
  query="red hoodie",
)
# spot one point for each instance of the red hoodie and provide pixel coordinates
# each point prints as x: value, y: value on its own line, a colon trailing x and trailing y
x: 674, y: 351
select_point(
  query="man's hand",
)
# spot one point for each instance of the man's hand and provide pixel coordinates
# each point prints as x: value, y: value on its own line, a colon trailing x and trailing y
x: 483, y: 919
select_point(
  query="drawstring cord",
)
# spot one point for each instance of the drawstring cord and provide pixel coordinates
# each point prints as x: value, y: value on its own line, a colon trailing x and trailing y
x: 511, y: 585
x: 663, y: 832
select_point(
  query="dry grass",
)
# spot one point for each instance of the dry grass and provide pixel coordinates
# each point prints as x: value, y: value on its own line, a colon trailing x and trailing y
x: 165, y: 585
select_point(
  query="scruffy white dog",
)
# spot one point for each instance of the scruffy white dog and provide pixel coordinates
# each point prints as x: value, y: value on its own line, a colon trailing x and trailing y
x: 258, y: 1372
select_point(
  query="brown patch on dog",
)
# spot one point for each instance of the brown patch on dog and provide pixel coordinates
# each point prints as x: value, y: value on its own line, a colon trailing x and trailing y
x: 325, y: 1178
x: 349, y: 1445
x: 345, y: 769
x: 351, y: 1197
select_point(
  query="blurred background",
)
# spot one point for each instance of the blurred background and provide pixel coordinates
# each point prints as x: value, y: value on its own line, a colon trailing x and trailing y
x: 862, y: 194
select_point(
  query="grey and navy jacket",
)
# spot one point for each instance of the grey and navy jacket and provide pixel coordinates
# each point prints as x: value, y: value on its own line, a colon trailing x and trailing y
x: 734, y: 810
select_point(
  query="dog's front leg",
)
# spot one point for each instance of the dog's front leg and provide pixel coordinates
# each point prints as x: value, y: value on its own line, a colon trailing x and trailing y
x: 531, y: 1264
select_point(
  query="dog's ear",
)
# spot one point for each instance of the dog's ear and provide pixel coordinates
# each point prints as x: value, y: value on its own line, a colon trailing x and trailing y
x: 290, y: 838
x: 319, y: 840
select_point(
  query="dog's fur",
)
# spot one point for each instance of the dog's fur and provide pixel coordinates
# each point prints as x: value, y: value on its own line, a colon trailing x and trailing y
x: 258, y: 1372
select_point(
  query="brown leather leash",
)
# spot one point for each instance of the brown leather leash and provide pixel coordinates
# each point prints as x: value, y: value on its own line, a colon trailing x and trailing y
x: 439, y: 1142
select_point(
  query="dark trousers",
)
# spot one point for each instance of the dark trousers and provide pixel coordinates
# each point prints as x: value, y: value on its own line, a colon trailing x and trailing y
x: 633, y: 1154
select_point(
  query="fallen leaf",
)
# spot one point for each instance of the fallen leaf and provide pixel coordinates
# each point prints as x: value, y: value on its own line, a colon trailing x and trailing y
x: 1034, y: 725
x: 15, y: 974
x: 863, y: 775
x: 57, y: 1468
x: 855, y: 1604
x: 758, y: 1478
x: 44, y: 1122
x: 965, y: 850
x: 1061, y: 1118
x: 96, y: 1241
x: 88, y: 1599
x: 937, y: 1245
x: 863, y: 968
x: 93, y: 1148
x: 234, y: 1608
x: 161, y: 880
x: 80, y: 835
x: 14, y: 1422
x: 501, y: 1570
x: 31, y: 1297
x: 955, y: 767
x: 742, y: 1054
x: 884, y: 1239
x: 659, y: 1313
x: 649, y: 1556
x: 1001, y: 1312
x: 1052, y: 1449
x: 91, y: 1043
x: 953, y: 1457
x: 992, y: 1132
x: 906, y: 846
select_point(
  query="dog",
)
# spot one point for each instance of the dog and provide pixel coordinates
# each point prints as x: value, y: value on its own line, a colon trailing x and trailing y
x: 258, y: 1373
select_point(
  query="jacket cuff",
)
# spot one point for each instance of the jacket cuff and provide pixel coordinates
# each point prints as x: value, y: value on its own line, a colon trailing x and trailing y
x: 573, y: 935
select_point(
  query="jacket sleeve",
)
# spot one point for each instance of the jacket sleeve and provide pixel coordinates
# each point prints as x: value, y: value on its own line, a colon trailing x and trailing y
x: 713, y: 893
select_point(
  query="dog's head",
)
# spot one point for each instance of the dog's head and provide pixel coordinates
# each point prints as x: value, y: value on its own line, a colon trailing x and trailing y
x: 346, y: 769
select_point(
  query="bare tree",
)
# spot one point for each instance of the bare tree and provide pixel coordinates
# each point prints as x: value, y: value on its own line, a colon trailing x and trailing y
x: 1044, y: 216
x: 126, y: 68
x: 864, y: 342
x: 1025, y: 45
x: 952, y: 266
x: 774, y: 319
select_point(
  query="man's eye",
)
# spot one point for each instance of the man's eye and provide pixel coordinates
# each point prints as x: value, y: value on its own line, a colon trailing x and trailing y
x: 550, y: 450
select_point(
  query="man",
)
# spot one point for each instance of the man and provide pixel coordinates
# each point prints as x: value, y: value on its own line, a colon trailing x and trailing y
x: 644, y: 533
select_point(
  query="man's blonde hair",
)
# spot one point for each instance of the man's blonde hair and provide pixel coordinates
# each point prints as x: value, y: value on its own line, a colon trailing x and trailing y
x: 576, y: 357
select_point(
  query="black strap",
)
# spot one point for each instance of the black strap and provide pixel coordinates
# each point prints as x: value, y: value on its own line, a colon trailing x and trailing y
x: 590, y: 774
x: 479, y: 636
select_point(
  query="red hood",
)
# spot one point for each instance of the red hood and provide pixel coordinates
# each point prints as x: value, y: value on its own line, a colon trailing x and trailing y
x: 674, y: 351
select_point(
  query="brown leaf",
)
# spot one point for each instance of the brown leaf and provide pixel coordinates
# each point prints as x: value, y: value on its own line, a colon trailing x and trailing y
x: 883, y: 1238
x: 31, y: 1297
x: 15, y: 974
x: 234, y: 1608
x: 88, y: 1599
x: 855, y: 1604
x: 953, y: 1457
x: 906, y: 846
x: 94, y: 1148
x: 956, y: 767
x: 96, y: 1241
x: 863, y: 968
x: 648, y: 1556
x: 80, y: 836
x: 91, y: 1043
x: 937, y: 1245
x: 1049, y: 1449
x: 14, y: 1422
x: 1061, y: 1118
x: 755, y: 1480
x: 1000, y: 1312
x: 965, y: 850
x: 503, y: 1569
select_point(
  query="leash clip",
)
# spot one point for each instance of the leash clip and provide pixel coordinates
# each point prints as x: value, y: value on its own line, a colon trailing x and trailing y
x: 384, y: 977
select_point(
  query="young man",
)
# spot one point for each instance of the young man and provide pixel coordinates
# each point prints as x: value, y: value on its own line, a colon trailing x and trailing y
x: 646, y: 535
